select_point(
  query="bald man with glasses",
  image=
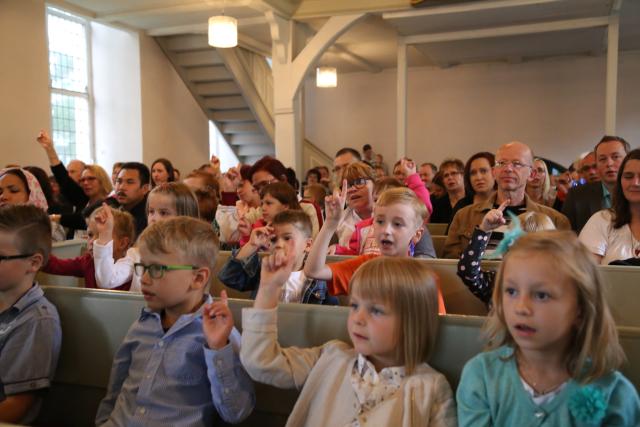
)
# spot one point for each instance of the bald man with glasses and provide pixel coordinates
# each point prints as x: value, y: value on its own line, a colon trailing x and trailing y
x: 512, y: 170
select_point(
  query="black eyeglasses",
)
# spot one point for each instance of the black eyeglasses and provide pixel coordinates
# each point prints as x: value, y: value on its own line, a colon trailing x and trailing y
x: 357, y: 183
x: 10, y: 257
x: 156, y: 271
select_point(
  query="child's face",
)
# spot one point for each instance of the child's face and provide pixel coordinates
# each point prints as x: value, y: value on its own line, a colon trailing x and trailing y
x: 176, y: 290
x: 15, y: 273
x: 271, y: 207
x: 394, y: 228
x: 161, y: 206
x: 12, y: 190
x: 373, y: 328
x: 292, y: 241
x: 540, y: 307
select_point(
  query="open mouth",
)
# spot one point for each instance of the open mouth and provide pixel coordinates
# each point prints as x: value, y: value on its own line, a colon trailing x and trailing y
x: 359, y: 337
x: 386, y: 244
x: 525, y: 330
x: 148, y: 295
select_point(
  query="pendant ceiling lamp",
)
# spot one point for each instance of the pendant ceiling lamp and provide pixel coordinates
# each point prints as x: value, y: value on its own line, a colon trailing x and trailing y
x: 326, y: 77
x: 223, y: 31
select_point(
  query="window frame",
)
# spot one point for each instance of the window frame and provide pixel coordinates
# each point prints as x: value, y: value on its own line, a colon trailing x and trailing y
x: 88, y: 96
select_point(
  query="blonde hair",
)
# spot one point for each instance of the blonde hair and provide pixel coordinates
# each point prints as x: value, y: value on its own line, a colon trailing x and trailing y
x: 404, y: 196
x: 594, y: 350
x: 358, y: 170
x: 123, y: 223
x: 185, y: 201
x: 102, y: 176
x: 535, y: 221
x: 191, y: 238
x: 409, y: 287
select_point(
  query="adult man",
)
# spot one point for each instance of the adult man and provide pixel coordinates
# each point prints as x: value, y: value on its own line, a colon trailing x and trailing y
x: 367, y: 153
x: 588, y: 168
x: 585, y: 200
x: 74, y: 169
x: 132, y: 186
x: 452, y: 171
x: 427, y: 171
x: 344, y: 156
x: 512, y: 170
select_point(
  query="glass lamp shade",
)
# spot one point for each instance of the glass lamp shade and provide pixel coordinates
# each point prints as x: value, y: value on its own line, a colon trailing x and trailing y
x: 326, y: 77
x: 223, y: 31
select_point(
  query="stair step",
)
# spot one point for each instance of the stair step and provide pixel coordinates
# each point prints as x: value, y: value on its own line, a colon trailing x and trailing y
x: 187, y: 42
x: 255, y: 150
x: 241, y: 128
x: 208, y: 74
x: 225, y: 102
x: 198, y: 58
x: 250, y: 159
x: 243, y: 115
x: 249, y: 139
x: 217, y: 88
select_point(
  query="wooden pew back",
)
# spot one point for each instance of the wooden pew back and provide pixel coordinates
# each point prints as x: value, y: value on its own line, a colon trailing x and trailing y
x: 94, y: 322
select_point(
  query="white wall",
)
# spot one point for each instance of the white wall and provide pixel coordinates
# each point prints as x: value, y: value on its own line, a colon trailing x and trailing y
x: 116, y: 88
x: 24, y: 81
x: 556, y: 106
x: 173, y: 124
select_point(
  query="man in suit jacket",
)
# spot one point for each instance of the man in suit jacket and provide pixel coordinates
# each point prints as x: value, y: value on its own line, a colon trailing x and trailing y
x: 585, y: 200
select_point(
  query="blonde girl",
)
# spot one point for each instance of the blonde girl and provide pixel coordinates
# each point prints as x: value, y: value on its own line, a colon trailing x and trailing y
x: 382, y: 378
x: 164, y: 201
x: 553, y: 349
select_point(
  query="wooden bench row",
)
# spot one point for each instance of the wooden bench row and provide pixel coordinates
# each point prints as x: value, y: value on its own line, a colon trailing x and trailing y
x: 94, y: 323
x: 623, y: 282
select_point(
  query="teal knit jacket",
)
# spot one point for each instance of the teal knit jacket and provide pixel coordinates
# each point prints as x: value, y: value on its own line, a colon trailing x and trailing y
x: 491, y: 393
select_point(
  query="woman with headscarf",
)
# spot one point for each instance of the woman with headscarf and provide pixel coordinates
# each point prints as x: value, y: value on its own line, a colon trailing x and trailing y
x: 19, y: 186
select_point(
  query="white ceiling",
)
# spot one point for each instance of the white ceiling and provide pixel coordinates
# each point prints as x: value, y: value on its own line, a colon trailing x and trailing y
x: 371, y: 45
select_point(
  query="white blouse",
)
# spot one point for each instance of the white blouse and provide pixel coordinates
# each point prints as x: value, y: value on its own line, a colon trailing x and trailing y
x: 599, y: 236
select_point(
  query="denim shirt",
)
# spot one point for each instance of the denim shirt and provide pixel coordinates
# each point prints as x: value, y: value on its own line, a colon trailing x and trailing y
x: 244, y: 275
x: 172, y: 378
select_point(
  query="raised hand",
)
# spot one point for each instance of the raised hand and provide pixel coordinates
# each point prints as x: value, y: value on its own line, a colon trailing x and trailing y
x: 44, y: 140
x: 494, y: 218
x: 215, y: 164
x: 104, y: 224
x: 276, y: 269
x: 217, y: 322
x: 408, y: 166
x: 260, y: 238
x: 334, y: 205
x: 244, y: 227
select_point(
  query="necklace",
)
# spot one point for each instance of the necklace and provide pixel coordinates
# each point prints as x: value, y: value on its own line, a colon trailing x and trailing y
x: 540, y: 388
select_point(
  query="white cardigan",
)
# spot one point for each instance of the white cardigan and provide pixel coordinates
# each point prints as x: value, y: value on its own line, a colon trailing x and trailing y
x: 323, y: 373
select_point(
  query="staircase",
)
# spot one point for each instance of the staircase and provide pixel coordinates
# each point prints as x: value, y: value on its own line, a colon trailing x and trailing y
x: 234, y: 88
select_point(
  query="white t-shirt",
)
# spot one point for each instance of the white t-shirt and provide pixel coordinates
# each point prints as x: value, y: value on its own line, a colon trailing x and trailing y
x: 292, y: 291
x: 599, y: 236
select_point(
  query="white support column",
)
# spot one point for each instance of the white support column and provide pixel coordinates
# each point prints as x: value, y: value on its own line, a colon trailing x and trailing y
x: 289, y: 75
x: 612, y: 75
x: 401, y: 100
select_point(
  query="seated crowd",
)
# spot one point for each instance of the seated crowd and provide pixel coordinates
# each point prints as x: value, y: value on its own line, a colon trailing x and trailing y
x: 553, y: 352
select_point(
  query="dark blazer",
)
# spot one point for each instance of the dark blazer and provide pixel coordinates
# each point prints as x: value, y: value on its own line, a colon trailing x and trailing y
x: 581, y: 203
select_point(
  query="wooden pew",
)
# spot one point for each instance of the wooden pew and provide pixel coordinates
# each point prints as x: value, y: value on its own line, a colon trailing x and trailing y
x: 438, y: 244
x: 94, y: 322
x: 436, y: 229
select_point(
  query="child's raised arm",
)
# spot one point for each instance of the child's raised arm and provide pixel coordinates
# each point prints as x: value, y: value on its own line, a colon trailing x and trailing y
x: 315, y: 266
x: 109, y: 274
x: 276, y: 269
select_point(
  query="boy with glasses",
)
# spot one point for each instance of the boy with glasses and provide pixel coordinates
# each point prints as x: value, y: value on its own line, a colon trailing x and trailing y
x: 179, y: 363
x: 30, y: 333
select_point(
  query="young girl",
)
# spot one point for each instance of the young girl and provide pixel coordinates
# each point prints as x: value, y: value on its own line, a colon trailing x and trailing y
x: 480, y: 282
x: 383, y: 380
x: 274, y: 198
x: 84, y: 265
x: 553, y: 345
x: 164, y: 201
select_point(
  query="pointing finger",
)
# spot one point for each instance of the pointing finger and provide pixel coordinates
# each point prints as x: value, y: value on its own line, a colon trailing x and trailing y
x: 504, y: 205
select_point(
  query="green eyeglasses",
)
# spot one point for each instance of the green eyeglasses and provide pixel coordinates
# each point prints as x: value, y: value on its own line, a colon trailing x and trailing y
x: 156, y: 271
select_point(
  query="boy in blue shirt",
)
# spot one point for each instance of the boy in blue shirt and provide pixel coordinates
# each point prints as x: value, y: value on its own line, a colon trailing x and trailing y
x: 178, y: 364
x: 30, y: 333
